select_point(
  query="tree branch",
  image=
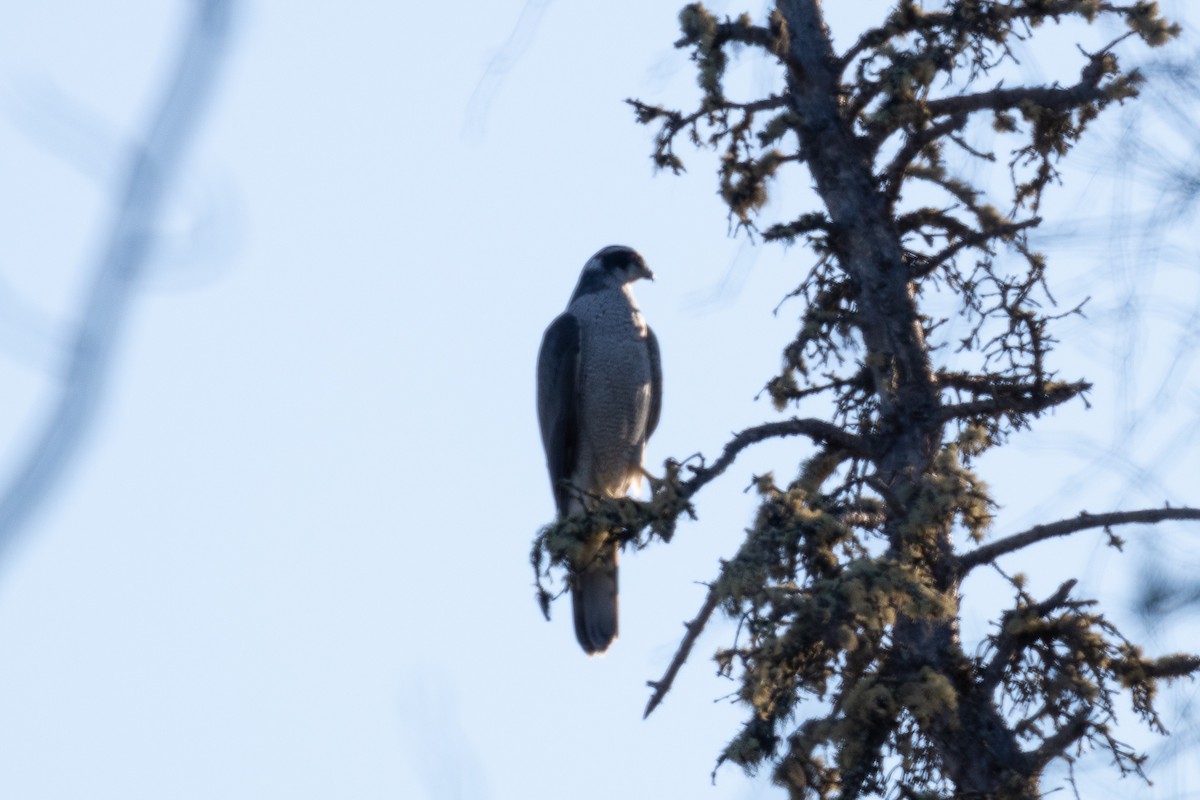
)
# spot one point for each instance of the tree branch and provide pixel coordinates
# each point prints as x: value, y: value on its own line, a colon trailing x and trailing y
x: 819, y: 431
x: 677, y: 121
x: 1068, y: 734
x: 893, y: 174
x: 1007, y: 644
x: 1057, y: 98
x: 737, y: 31
x: 663, y: 684
x: 1032, y: 404
x: 976, y: 239
x: 933, y: 21
x: 152, y: 167
x: 990, y: 552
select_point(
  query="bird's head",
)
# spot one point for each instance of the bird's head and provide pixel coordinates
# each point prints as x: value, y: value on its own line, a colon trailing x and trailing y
x: 617, y: 265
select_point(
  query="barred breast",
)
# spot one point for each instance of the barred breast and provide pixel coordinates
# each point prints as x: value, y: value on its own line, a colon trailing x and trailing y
x: 614, y: 390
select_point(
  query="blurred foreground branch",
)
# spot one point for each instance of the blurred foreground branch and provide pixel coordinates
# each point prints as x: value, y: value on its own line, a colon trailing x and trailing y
x: 153, y: 164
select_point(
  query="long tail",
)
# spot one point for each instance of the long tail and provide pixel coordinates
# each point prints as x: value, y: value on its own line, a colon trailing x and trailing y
x: 594, y: 599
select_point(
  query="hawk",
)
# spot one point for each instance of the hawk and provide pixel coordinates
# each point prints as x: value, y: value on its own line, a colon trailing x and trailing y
x: 599, y: 394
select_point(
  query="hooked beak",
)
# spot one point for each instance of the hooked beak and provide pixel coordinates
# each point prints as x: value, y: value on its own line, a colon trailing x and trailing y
x: 643, y: 270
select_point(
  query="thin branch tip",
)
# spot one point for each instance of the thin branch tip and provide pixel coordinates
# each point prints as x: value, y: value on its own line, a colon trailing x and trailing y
x: 988, y: 553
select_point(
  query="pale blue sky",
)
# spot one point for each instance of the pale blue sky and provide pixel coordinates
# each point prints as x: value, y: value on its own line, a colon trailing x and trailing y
x: 291, y: 560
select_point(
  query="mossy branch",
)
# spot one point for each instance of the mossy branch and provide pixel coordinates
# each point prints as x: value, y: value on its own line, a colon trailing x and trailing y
x: 998, y: 19
x: 1037, y: 400
x: 626, y: 520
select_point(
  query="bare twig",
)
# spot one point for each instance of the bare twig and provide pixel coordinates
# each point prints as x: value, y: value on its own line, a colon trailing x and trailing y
x: 663, y: 684
x: 976, y: 239
x: 1085, y: 521
x: 152, y: 167
x: 818, y: 431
